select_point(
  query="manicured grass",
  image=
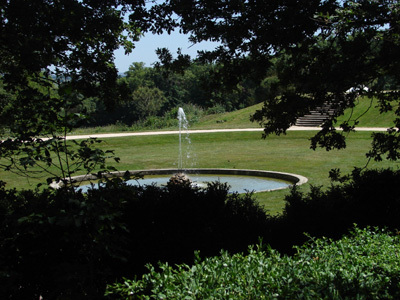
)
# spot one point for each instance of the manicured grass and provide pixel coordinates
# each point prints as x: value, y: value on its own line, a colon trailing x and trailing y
x: 241, y: 150
x: 367, y: 113
x: 235, y: 119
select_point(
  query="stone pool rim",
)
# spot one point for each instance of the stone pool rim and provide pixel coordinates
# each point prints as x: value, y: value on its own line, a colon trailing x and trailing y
x: 294, y: 179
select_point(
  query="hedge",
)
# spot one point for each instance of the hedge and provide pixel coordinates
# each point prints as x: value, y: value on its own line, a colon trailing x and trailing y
x: 363, y: 265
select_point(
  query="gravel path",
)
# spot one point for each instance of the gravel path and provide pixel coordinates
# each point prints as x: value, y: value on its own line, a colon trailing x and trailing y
x: 125, y: 134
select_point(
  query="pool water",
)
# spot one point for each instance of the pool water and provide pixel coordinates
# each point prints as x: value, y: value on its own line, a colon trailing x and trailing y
x: 237, y: 183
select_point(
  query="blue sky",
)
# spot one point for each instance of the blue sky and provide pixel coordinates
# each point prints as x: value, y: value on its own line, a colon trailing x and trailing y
x: 145, y: 49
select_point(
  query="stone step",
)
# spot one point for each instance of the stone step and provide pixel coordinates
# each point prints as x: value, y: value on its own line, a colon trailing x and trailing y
x: 316, y: 116
x: 322, y: 112
x: 310, y: 123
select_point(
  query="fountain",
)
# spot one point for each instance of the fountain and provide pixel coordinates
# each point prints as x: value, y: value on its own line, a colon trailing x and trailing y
x: 183, y: 123
x: 239, y: 180
x: 181, y: 178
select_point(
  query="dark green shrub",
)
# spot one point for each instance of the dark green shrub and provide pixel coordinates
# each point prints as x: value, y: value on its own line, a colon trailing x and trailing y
x: 216, y: 109
x: 170, y: 224
x: 369, y: 197
x: 59, y: 243
x: 68, y: 244
x: 364, y: 265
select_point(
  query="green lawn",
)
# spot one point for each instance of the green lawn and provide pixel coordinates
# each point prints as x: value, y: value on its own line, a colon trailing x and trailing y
x: 236, y: 119
x: 367, y: 113
x: 241, y: 150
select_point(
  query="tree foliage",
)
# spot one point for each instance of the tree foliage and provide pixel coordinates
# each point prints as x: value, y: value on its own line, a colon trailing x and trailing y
x: 72, y: 39
x: 320, y: 50
x: 148, y: 101
x: 192, y: 86
x: 55, y: 53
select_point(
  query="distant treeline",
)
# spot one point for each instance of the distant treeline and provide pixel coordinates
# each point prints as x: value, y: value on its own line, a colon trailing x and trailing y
x: 152, y: 95
x: 148, y: 92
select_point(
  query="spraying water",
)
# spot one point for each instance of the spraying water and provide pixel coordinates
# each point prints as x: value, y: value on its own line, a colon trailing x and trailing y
x: 183, y: 124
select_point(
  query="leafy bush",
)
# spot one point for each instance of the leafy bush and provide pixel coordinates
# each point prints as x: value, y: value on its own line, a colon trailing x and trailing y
x: 155, y: 122
x: 170, y: 224
x: 58, y: 243
x: 368, y: 197
x: 68, y: 244
x: 364, y: 265
x: 216, y: 109
x: 169, y: 119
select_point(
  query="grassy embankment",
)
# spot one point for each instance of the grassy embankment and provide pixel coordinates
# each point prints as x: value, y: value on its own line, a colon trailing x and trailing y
x: 242, y: 150
x: 241, y: 119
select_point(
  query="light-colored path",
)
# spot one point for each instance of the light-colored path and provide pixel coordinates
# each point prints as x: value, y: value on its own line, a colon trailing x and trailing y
x: 125, y: 134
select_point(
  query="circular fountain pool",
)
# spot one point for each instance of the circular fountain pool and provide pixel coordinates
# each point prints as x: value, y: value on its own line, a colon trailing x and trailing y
x: 239, y: 180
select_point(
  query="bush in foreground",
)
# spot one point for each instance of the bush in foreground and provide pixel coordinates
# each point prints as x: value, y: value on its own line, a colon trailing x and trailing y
x: 363, y: 265
x: 68, y: 244
x: 367, y: 198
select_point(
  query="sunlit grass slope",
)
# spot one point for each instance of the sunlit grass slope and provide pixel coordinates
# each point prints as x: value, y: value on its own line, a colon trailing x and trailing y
x: 235, y: 119
x: 368, y: 115
x: 365, y: 111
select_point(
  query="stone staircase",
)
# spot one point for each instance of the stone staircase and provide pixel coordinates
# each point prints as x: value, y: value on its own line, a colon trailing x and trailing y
x: 317, y: 116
